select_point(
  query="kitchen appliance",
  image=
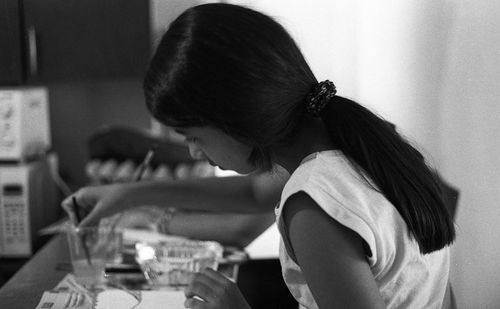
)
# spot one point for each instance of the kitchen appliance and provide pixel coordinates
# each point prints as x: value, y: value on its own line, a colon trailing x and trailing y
x: 24, y: 123
x: 28, y: 202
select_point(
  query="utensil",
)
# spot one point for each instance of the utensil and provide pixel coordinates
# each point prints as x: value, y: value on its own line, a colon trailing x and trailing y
x: 82, y: 237
x: 145, y: 163
x: 140, y: 173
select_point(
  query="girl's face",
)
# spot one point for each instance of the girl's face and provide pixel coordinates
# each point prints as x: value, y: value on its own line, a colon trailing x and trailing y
x: 218, y: 148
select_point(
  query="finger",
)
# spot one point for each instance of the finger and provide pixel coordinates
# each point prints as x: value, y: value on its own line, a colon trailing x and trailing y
x: 76, y: 213
x: 200, y: 289
x: 67, y: 205
x: 203, y: 277
x: 74, y: 207
x: 72, y: 303
x: 219, y: 283
x: 215, y: 276
x: 72, y: 217
x: 92, y: 218
x: 195, y: 303
x: 77, y: 209
x: 68, y: 301
x: 79, y: 300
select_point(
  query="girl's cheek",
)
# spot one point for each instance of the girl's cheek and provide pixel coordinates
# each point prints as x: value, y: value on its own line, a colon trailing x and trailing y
x: 196, y: 152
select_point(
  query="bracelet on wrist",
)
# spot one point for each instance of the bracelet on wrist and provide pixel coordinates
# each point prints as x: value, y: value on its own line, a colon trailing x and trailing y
x: 167, y: 217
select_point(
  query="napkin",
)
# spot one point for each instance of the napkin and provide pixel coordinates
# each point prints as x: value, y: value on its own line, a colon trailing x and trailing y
x: 67, y: 293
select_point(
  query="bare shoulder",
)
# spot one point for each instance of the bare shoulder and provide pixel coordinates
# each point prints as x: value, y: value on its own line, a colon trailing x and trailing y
x: 330, y: 255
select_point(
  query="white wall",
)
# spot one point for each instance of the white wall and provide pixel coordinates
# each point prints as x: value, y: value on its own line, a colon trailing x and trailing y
x: 470, y: 148
x: 433, y: 68
x: 163, y: 12
x: 387, y: 55
x: 401, y: 55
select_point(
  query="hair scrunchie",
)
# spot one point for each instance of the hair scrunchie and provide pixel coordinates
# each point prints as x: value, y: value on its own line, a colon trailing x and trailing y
x: 319, y: 96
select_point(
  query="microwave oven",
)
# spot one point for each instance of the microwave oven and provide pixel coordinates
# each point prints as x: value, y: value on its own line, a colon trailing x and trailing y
x: 24, y: 123
x: 28, y: 201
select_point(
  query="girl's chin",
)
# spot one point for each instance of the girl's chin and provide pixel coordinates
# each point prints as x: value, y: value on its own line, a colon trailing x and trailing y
x: 245, y: 171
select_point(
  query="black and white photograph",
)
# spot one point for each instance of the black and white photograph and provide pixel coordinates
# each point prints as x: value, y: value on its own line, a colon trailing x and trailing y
x: 249, y: 154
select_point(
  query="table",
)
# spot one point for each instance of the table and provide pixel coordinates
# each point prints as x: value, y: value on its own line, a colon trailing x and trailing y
x: 42, y: 272
x: 259, y: 280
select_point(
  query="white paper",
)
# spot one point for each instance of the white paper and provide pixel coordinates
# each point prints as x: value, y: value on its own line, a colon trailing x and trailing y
x: 266, y: 246
x: 118, y: 299
x: 64, y: 296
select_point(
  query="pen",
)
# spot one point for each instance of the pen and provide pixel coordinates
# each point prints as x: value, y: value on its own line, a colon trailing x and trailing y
x: 82, y: 237
x: 140, y: 173
x: 144, y: 164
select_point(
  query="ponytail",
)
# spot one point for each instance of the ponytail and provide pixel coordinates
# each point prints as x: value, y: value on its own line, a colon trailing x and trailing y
x: 396, y: 168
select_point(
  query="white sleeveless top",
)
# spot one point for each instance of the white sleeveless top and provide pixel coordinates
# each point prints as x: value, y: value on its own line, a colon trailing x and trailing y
x: 405, y: 278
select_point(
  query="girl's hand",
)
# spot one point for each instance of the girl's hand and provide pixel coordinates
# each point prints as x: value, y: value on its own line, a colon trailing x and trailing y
x: 213, y: 291
x: 96, y: 203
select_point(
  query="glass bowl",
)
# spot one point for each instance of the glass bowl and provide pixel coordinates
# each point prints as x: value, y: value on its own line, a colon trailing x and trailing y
x: 173, y: 263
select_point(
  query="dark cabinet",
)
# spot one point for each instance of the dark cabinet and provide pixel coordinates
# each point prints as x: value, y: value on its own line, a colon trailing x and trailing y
x: 11, y: 62
x: 65, y: 40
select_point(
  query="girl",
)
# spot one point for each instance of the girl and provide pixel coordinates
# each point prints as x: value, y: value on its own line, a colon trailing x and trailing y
x: 361, y: 218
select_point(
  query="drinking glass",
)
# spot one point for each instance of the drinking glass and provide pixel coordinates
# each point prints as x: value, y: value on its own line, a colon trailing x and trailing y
x: 91, y: 248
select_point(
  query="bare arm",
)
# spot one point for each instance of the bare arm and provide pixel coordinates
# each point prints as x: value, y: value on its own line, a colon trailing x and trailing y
x: 229, y: 229
x: 249, y: 194
x: 237, y: 194
x: 331, y: 257
x: 238, y: 229
x: 228, y: 194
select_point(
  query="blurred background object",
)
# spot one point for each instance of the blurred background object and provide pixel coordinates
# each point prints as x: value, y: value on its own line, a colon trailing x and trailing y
x: 28, y: 193
x: 116, y: 152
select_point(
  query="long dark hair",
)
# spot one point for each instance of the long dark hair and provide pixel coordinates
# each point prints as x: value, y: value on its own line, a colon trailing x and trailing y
x: 236, y: 69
